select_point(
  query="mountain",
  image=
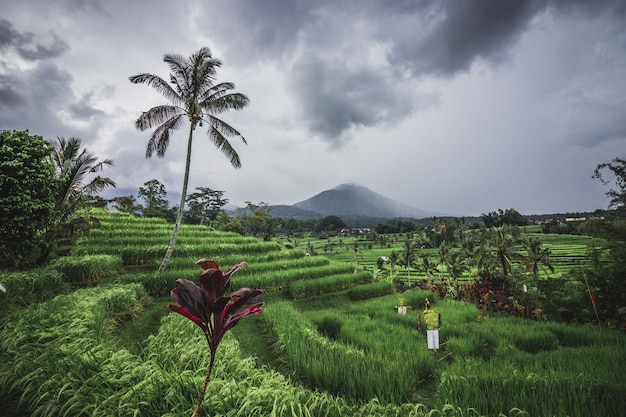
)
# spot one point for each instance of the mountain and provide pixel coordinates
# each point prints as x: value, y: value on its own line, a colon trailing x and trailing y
x: 355, y: 200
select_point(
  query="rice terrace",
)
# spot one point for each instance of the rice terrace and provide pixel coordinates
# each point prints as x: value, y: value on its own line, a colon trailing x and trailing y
x: 90, y: 334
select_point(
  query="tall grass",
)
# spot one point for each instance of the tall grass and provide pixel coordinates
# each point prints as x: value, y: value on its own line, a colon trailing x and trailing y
x: 358, y: 365
x: 304, y: 288
x: 375, y: 289
x: 501, y: 363
x: 28, y: 287
x: 88, y: 267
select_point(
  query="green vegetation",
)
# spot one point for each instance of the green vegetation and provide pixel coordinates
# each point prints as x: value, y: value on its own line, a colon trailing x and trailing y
x: 27, y: 185
x: 330, y: 341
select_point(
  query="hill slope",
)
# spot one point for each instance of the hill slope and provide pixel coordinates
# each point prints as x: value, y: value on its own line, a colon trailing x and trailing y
x: 356, y: 200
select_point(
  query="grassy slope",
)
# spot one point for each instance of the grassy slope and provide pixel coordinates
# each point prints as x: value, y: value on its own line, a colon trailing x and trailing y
x: 133, y: 333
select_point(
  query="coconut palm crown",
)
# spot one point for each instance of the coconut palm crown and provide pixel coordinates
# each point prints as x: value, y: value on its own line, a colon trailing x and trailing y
x: 195, y: 98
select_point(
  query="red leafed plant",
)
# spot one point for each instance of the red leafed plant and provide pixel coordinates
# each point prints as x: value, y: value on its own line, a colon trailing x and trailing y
x: 212, y: 308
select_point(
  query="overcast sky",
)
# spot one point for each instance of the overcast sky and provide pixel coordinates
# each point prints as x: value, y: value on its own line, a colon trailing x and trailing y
x: 459, y: 106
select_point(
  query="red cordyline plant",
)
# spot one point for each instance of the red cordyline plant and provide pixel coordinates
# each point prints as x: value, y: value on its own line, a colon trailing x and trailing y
x: 211, y: 308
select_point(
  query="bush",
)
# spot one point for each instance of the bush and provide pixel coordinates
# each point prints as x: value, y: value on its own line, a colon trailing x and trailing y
x: 88, y: 267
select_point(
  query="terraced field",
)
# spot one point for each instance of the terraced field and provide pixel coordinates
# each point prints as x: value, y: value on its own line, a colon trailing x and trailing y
x: 329, y: 342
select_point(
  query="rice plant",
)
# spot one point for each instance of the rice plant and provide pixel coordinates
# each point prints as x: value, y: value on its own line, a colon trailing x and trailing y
x: 88, y: 267
x: 28, y: 287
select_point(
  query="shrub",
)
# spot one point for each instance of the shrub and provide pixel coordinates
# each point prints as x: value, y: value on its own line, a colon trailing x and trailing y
x: 88, y: 267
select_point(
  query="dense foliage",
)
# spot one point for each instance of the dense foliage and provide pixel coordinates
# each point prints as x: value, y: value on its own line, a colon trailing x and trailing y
x: 27, y: 195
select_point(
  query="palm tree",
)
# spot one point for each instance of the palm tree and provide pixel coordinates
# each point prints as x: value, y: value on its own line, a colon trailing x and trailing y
x: 537, y: 256
x: 456, y: 264
x: 73, y: 167
x: 193, y: 97
x: 393, y: 260
x: 504, y: 239
x: 357, y: 252
x: 408, y: 257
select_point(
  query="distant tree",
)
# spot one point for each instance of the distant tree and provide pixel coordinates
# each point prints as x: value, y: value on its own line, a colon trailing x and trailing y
x: 617, y: 195
x: 75, y: 170
x: 155, y: 200
x: 227, y: 223
x: 457, y: 264
x: 408, y: 256
x: 204, y: 205
x: 255, y: 219
x: 503, y: 243
x: 429, y: 268
x: 330, y: 224
x: 195, y: 97
x: 393, y: 261
x: 357, y: 253
x: 395, y: 226
x: 537, y: 256
x: 27, y: 195
x: 501, y: 217
x: 127, y: 204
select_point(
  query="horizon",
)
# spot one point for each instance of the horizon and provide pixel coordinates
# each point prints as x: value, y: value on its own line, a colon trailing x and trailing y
x: 174, y: 200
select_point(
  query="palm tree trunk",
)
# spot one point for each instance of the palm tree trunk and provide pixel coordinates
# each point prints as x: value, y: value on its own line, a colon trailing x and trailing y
x: 181, y: 207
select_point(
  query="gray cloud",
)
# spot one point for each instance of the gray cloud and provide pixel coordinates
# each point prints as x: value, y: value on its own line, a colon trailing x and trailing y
x: 431, y: 37
x: 83, y: 109
x: 459, y: 33
x: 333, y: 99
x: 35, y: 98
x: 26, y: 46
x: 10, y: 98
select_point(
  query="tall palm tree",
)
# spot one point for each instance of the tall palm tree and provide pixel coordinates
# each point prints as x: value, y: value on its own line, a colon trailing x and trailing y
x: 194, y: 97
x: 537, y: 256
x: 73, y: 168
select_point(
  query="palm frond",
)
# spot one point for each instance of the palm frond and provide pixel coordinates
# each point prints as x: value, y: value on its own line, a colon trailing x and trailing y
x: 156, y: 116
x: 223, y: 128
x: 98, y: 184
x: 159, y: 84
x: 224, y: 146
x: 218, y: 99
x: 160, y: 138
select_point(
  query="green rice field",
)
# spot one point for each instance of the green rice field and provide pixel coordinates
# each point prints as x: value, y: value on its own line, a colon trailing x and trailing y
x: 90, y: 335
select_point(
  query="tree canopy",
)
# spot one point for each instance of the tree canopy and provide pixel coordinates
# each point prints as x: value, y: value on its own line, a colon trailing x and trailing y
x: 27, y: 194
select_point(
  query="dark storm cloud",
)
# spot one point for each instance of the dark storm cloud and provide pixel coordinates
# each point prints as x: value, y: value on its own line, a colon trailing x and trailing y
x: 42, y: 92
x: 462, y: 32
x: 25, y: 44
x: 9, y: 96
x: 28, y: 95
x: 261, y: 29
x: 440, y: 38
x: 335, y: 98
x: 459, y: 33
